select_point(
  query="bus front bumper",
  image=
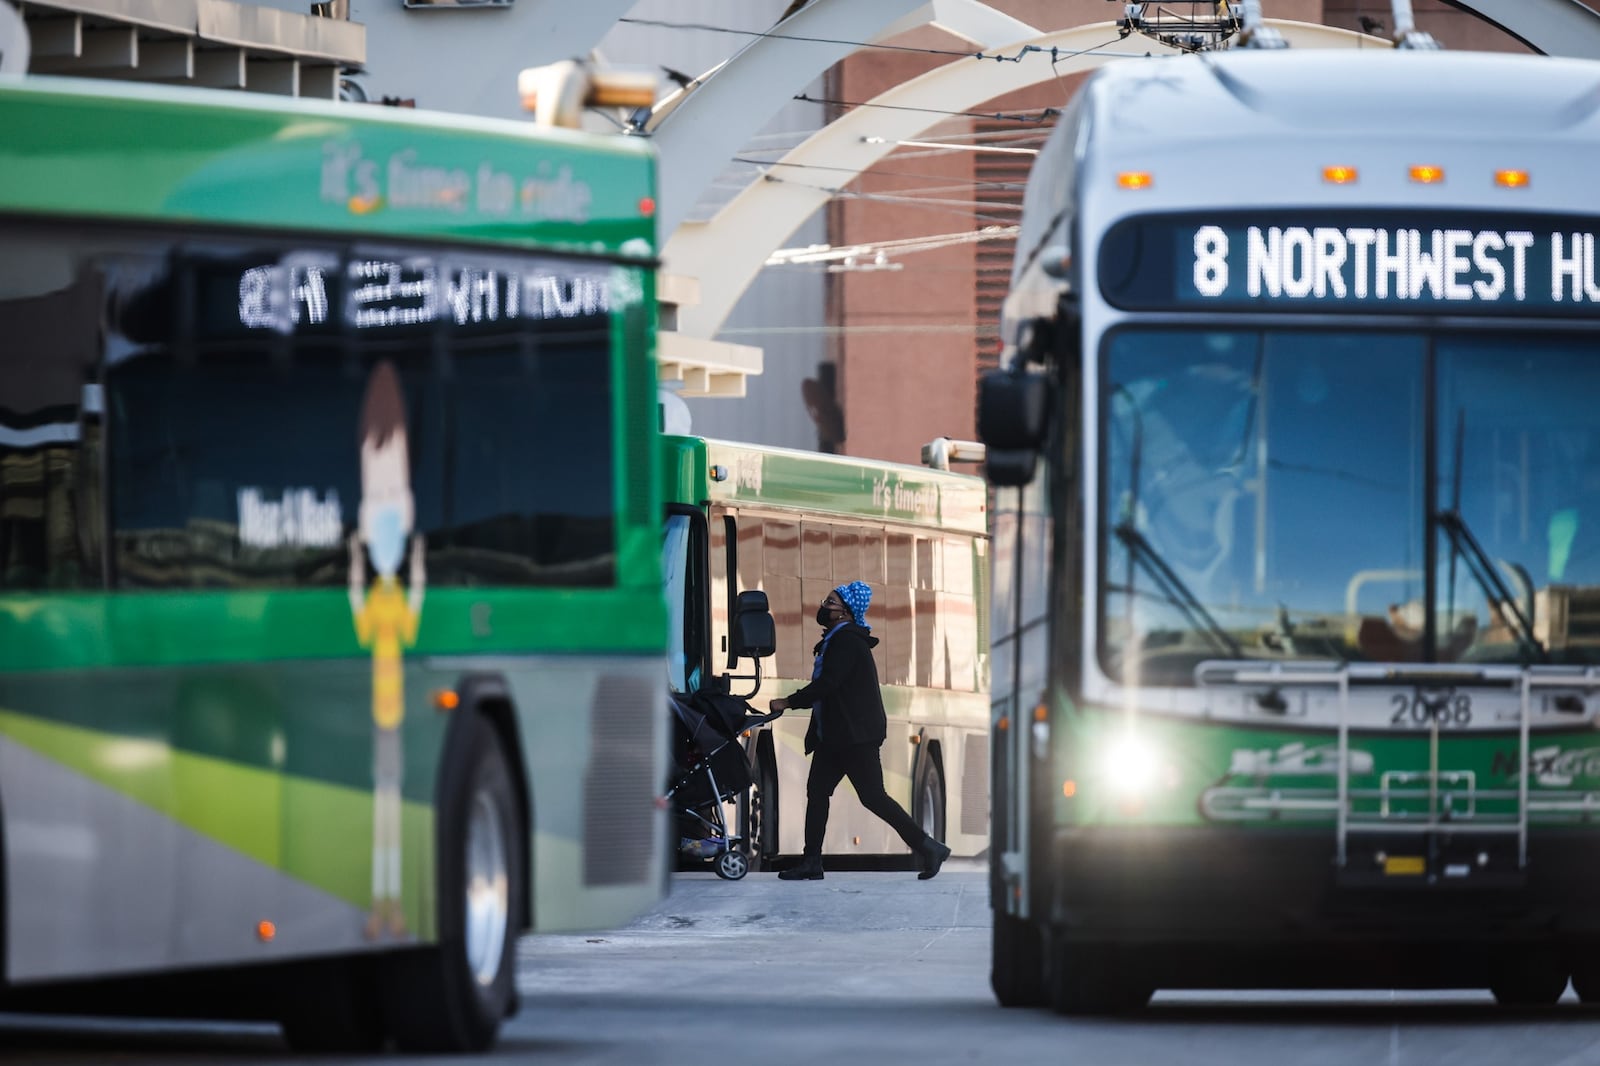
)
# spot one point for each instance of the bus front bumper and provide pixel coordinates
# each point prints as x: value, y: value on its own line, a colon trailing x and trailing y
x: 1286, y: 886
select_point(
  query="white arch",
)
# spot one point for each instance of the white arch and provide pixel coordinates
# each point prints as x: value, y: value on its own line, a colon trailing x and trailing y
x: 728, y: 251
x: 698, y: 129
x: 1554, y: 27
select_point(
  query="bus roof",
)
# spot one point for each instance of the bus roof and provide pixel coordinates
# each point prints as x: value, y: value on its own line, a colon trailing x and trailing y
x: 1314, y: 92
x: 1255, y: 128
x: 699, y: 471
x: 161, y: 154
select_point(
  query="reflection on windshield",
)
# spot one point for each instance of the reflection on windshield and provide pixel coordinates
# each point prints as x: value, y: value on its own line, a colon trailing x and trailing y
x: 1265, y: 497
x: 1518, y: 451
x: 1237, y: 457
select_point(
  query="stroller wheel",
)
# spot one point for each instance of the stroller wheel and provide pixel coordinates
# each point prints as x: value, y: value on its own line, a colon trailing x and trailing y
x: 732, y: 865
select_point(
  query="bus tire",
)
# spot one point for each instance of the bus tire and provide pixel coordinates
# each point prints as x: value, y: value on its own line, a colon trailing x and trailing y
x: 761, y: 804
x: 1016, y: 970
x: 1585, y: 967
x: 331, y: 1007
x: 1095, y: 979
x: 1534, y: 979
x: 927, y: 797
x: 452, y: 996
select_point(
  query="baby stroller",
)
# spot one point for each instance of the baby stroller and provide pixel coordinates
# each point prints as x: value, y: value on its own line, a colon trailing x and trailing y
x: 710, y: 769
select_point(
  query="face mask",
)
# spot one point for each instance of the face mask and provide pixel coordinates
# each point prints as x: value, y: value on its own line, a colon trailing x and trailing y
x: 825, y: 616
x: 387, y: 544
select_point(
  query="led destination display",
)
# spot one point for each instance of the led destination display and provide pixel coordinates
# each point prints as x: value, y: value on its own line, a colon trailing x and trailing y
x: 315, y: 293
x: 1375, y: 262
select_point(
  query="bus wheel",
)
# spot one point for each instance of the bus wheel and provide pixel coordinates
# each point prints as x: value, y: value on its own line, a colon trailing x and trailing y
x: 928, y: 797
x: 331, y: 1007
x: 760, y: 829
x: 1586, y: 978
x: 1534, y: 980
x: 1016, y: 970
x: 451, y: 997
x: 1094, y: 979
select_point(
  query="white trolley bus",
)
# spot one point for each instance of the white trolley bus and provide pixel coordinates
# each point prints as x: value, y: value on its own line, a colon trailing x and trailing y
x: 1297, y: 594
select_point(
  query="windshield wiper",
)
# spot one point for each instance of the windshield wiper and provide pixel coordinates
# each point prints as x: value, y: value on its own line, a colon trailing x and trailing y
x: 1463, y: 543
x: 1144, y: 554
x: 1141, y: 551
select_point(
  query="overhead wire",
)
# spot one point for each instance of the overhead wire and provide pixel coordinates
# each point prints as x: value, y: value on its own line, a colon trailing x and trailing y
x: 1022, y: 52
x: 764, y: 163
x: 998, y: 116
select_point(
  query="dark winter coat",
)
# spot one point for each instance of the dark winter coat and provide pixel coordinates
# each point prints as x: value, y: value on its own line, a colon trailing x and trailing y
x: 851, y: 707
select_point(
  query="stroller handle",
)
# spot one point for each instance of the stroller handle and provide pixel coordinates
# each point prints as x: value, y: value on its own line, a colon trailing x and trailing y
x: 762, y: 719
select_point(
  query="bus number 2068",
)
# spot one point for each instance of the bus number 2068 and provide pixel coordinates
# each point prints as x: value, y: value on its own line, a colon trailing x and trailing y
x: 1449, y: 709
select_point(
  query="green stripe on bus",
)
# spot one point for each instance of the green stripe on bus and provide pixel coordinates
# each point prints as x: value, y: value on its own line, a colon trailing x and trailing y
x: 74, y: 631
x: 280, y: 820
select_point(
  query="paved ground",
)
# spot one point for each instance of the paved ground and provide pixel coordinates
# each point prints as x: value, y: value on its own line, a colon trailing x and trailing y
x: 879, y: 968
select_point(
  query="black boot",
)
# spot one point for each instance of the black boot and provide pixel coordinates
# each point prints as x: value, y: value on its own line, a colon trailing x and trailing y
x: 809, y: 868
x: 931, y: 855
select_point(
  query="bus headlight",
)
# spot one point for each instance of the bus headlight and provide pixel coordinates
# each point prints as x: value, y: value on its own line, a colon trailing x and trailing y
x: 1130, y: 765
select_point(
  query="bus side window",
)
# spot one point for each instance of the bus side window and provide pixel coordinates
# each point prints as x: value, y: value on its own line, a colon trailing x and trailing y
x: 865, y: 555
x: 900, y: 552
x: 930, y: 661
x: 847, y: 551
x: 50, y: 440
x: 780, y: 548
x: 958, y: 614
x: 817, y: 575
x: 872, y: 561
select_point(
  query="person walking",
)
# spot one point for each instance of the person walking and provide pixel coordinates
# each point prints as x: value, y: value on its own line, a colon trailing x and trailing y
x: 848, y: 726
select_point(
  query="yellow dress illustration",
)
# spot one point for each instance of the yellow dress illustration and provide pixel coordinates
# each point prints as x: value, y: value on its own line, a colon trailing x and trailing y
x: 386, y: 619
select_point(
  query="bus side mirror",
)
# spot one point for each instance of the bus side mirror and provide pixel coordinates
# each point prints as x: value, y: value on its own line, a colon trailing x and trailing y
x: 1013, y: 408
x: 1010, y: 468
x: 754, y: 634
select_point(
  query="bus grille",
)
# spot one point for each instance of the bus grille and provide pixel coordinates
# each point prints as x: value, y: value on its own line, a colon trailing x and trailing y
x: 619, y: 793
x: 975, y: 784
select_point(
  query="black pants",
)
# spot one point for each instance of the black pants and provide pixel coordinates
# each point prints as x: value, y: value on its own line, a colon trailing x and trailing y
x: 858, y: 762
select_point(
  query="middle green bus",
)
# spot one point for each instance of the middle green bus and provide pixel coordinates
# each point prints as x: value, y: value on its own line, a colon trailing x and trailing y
x: 794, y: 524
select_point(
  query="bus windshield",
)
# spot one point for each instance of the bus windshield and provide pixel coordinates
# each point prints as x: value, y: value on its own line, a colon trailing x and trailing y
x: 1270, y: 495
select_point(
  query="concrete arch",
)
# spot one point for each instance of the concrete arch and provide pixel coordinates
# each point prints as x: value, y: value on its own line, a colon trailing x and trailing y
x: 1554, y: 27
x: 728, y: 251
x: 698, y: 129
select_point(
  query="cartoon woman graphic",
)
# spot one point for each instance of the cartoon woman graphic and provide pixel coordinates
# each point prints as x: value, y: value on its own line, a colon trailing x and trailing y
x: 386, y: 620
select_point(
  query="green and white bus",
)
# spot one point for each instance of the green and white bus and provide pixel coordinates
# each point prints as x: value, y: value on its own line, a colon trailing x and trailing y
x: 331, y: 629
x: 794, y: 524
x: 1297, y: 663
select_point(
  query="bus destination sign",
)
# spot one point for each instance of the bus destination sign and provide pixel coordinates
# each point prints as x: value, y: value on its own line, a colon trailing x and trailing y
x: 1375, y: 262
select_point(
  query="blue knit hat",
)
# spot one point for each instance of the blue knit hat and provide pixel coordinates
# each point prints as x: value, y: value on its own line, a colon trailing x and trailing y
x: 856, y: 596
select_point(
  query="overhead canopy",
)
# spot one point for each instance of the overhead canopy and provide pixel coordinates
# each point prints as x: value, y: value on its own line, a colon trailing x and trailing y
x: 213, y: 43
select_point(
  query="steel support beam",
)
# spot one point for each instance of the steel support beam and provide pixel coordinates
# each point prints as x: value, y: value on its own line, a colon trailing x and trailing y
x: 727, y: 252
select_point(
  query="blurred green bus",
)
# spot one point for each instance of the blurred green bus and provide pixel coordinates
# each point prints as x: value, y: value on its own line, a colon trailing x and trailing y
x: 330, y: 615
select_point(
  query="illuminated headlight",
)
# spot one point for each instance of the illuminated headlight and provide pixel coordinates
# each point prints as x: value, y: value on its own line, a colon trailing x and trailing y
x: 1130, y: 765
